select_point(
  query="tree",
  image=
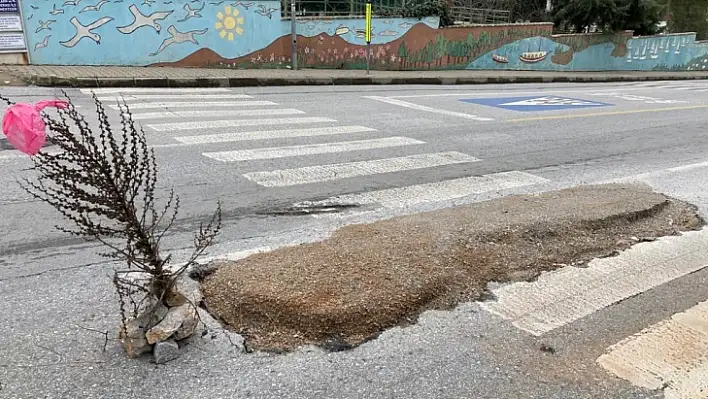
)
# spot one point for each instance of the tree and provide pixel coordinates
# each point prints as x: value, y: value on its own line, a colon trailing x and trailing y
x: 402, y: 54
x: 689, y: 16
x: 529, y: 10
x: 105, y: 184
x: 640, y: 16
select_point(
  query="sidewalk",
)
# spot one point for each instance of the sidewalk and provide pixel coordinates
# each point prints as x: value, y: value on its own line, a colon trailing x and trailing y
x: 111, y: 76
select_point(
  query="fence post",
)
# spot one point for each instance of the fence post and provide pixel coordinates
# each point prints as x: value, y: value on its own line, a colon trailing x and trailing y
x: 293, y: 30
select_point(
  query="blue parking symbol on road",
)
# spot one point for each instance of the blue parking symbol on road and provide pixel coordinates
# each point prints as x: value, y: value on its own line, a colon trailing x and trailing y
x: 535, y: 103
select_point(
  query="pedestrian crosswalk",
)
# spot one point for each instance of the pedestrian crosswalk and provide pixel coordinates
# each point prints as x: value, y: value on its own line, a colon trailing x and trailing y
x: 204, y: 117
x: 668, y: 354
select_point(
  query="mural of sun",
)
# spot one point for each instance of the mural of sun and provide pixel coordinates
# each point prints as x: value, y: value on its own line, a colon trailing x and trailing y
x: 229, y: 22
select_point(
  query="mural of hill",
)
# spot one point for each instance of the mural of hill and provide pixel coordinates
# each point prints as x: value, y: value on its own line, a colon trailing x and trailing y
x: 422, y: 47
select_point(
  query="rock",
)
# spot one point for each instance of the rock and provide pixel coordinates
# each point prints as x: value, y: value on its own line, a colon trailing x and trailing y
x: 166, y: 351
x: 190, y: 321
x: 132, y: 335
x: 201, y: 271
x: 185, y: 290
x: 164, y: 330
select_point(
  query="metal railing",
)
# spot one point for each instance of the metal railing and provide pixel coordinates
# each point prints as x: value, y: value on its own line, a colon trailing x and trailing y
x: 462, y: 13
x: 337, y: 8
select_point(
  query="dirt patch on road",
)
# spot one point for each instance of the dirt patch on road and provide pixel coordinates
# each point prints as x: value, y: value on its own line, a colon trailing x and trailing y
x: 366, y: 278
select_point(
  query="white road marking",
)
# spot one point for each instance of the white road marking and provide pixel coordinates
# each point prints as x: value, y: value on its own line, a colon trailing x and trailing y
x: 684, y: 168
x: 138, y: 97
x: 512, y: 93
x: 109, y: 90
x: 671, y: 354
x: 424, y: 108
x: 213, y: 113
x: 656, y: 173
x: 272, y: 134
x: 199, y: 104
x: 439, y: 191
x: 320, y: 173
x: 166, y: 127
x: 310, y: 149
x: 571, y: 293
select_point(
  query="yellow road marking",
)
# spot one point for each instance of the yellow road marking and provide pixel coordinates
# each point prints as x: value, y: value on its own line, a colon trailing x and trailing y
x: 636, y: 111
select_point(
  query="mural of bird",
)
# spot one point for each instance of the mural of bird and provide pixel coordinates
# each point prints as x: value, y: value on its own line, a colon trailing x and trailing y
x: 44, y: 43
x: 85, y: 31
x: 177, y: 37
x: 56, y: 10
x: 44, y: 25
x: 140, y: 20
x: 192, y: 12
x: 244, y: 4
x: 71, y: 3
x: 95, y: 7
x: 266, y: 12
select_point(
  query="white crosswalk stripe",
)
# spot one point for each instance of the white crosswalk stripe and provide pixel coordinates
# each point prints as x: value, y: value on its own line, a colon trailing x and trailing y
x: 570, y: 293
x: 185, y: 97
x: 110, y: 90
x: 310, y: 149
x: 216, y: 124
x: 208, y: 104
x: 212, y: 114
x: 272, y: 134
x: 403, y: 197
x: 669, y: 354
x: 320, y: 173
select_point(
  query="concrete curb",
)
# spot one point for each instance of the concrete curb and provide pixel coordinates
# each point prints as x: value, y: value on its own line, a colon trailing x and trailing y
x: 96, y: 82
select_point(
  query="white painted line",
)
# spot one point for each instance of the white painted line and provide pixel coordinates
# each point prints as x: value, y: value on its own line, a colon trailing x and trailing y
x: 656, y: 173
x: 197, y: 104
x: 166, y: 127
x: 571, y: 293
x: 138, y: 97
x: 671, y: 354
x: 424, y: 108
x: 512, y: 93
x: 272, y: 134
x: 320, y: 173
x: 108, y: 90
x: 310, y: 149
x: 439, y: 191
x: 688, y: 167
x: 212, y: 114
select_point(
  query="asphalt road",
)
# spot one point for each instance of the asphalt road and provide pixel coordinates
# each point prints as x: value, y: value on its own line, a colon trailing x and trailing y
x: 281, y: 159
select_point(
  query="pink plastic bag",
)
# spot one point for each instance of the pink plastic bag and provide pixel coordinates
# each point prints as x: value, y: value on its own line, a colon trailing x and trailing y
x: 24, y: 127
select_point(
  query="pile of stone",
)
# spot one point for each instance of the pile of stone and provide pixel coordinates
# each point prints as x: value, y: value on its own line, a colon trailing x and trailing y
x: 160, y: 326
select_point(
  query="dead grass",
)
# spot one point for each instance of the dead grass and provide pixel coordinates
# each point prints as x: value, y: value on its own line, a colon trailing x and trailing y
x: 367, y: 278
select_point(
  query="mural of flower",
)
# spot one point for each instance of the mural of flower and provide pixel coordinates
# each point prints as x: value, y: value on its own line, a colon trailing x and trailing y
x: 229, y: 22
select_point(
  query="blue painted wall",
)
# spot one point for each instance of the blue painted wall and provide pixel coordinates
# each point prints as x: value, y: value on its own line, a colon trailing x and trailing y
x: 251, y: 33
x: 144, y: 32
x: 666, y: 52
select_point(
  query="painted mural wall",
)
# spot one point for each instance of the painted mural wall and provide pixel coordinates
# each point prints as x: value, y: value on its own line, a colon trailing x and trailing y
x: 185, y: 32
x: 251, y: 34
x: 598, y: 53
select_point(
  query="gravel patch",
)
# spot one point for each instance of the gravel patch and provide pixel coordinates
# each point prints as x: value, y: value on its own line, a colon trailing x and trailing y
x: 347, y: 289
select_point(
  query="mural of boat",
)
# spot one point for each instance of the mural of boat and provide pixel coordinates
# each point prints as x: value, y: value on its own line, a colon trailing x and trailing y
x: 531, y: 57
x: 500, y: 59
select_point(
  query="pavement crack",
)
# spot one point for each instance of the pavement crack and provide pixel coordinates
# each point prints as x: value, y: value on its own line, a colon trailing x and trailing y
x: 58, y: 269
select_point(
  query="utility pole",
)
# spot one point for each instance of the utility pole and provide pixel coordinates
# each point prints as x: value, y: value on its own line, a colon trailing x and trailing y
x: 293, y: 30
x: 367, y: 27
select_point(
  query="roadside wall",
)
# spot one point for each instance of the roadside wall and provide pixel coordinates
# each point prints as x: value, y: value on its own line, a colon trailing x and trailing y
x: 251, y: 34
